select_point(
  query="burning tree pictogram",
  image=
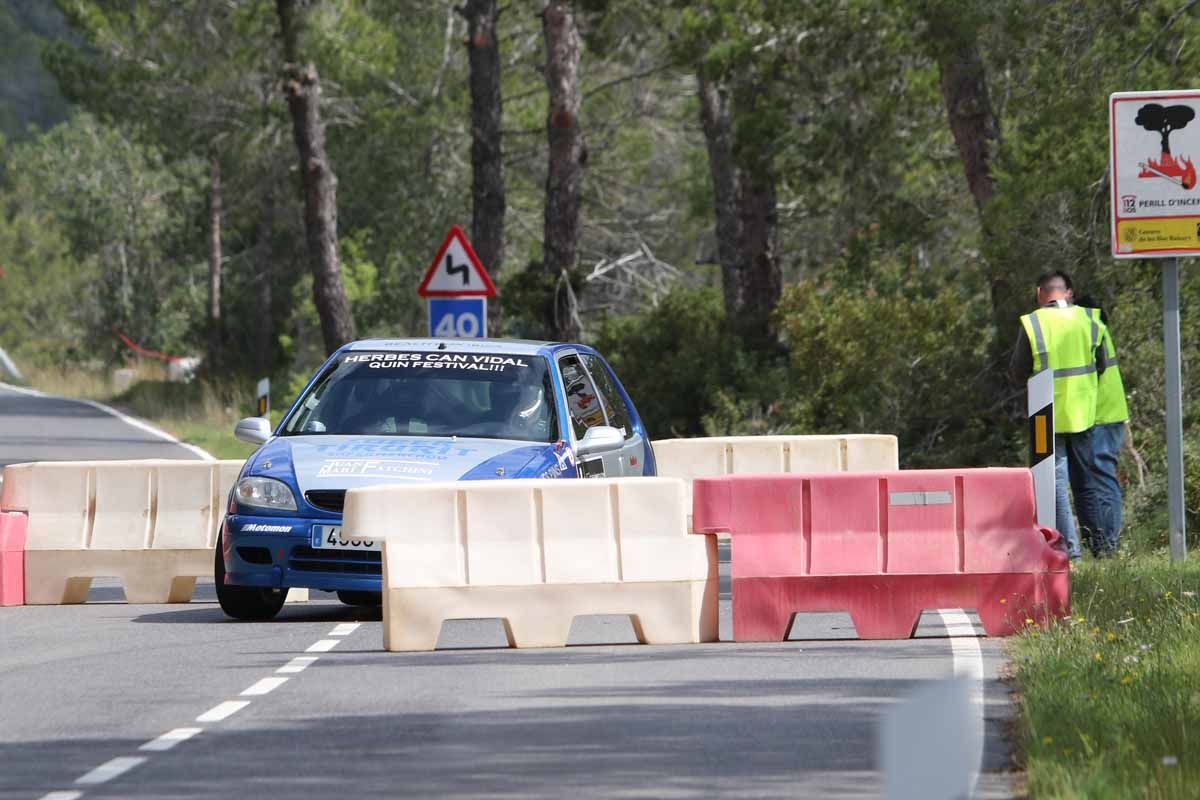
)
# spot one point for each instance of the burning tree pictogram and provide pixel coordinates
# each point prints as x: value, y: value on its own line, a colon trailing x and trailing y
x: 1163, y: 120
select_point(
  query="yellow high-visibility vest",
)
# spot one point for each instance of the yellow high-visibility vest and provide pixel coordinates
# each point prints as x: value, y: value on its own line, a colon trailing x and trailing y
x: 1064, y: 339
x: 1110, y: 389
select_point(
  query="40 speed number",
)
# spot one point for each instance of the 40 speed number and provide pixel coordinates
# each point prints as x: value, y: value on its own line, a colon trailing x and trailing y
x: 329, y: 537
x: 458, y: 318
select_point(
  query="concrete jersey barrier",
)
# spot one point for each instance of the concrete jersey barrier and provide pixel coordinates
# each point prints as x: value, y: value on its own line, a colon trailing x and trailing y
x: 709, y: 457
x: 884, y: 546
x: 537, y: 553
x: 152, y: 524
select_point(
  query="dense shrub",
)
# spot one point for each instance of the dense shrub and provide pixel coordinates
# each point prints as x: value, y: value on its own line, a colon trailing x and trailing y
x: 675, y: 359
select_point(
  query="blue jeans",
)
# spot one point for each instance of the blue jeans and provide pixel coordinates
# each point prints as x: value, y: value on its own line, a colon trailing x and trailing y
x: 1064, y: 519
x: 1093, y: 474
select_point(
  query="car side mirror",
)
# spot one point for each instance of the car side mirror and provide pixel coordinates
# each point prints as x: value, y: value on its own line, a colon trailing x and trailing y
x: 254, y: 430
x: 600, y: 439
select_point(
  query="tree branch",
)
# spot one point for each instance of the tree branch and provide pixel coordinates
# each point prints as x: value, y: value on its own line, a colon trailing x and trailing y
x: 635, y: 75
x: 1166, y: 26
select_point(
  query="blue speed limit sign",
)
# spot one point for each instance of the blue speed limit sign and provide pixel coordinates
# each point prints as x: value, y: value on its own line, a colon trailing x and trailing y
x: 458, y: 317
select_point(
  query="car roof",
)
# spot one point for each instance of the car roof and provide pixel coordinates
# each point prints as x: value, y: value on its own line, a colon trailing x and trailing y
x: 513, y: 346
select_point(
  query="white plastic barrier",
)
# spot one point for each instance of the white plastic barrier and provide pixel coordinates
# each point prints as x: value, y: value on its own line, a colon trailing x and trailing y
x: 711, y: 457
x: 538, y: 553
x: 152, y: 524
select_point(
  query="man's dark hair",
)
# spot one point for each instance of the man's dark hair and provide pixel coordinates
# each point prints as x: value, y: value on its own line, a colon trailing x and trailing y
x: 1046, y: 277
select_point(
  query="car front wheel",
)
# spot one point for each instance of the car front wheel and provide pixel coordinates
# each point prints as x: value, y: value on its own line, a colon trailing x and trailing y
x: 245, y: 602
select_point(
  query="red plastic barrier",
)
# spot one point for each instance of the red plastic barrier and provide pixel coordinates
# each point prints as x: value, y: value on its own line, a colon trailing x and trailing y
x: 12, y: 558
x: 884, y: 546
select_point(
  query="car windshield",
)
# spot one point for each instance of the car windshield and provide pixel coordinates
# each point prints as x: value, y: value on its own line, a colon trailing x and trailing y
x: 487, y: 395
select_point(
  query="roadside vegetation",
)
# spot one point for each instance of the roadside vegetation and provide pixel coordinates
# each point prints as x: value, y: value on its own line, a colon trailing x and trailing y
x: 1109, y: 700
x: 198, y: 412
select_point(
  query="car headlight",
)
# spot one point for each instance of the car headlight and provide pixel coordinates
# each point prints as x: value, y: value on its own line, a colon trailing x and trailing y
x: 265, y: 493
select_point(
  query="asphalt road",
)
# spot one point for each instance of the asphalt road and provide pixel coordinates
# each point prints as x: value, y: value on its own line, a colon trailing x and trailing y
x: 87, y: 691
x: 41, y: 428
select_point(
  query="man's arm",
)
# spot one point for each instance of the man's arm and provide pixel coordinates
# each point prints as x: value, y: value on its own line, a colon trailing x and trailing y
x: 1020, y: 366
x: 1101, y: 355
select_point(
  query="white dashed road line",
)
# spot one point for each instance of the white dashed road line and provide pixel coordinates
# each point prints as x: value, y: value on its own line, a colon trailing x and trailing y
x: 170, y: 739
x: 222, y: 711
x: 297, y: 664
x: 110, y: 769
x: 264, y: 686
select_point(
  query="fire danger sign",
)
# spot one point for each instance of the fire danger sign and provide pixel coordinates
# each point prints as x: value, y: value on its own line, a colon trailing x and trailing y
x: 1155, y: 140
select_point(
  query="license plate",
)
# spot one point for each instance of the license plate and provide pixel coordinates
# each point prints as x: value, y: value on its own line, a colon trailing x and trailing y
x: 329, y: 537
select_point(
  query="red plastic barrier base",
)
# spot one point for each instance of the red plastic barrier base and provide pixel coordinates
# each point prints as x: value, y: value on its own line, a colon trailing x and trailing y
x: 884, y: 546
x: 890, y: 606
x: 12, y: 558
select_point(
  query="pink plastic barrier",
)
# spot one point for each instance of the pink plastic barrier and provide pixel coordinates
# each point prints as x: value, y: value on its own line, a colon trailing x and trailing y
x: 884, y: 546
x: 12, y: 558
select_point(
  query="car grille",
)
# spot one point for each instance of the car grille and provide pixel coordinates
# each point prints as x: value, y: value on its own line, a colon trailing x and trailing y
x: 327, y: 499
x: 352, y: 562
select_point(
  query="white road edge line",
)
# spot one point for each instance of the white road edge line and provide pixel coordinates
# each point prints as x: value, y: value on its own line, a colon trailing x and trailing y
x: 323, y: 646
x: 61, y: 796
x: 264, y: 686
x: 110, y: 769
x: 170, y: 739
x: 23, y: 390
x: 968, y: 663
x: 223, y: 711
x: 297, y: 664
x: 128, y: 420
x: 345, y: 629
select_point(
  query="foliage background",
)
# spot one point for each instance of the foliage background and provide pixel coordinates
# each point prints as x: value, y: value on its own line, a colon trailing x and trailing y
x: 901, y: 298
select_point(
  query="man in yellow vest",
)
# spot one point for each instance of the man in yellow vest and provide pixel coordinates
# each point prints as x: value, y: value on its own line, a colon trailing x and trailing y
x: 1094, y: 477
x: 1062, y: 337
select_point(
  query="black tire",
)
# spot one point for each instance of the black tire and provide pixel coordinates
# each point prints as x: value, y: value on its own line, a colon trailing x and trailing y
x: 245, y: 602
x: 364, y: 599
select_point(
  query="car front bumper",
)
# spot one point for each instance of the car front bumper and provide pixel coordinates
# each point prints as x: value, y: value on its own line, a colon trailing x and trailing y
x: 277, y: 552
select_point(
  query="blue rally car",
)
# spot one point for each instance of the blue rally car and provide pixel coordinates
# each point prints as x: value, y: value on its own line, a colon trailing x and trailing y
x: 406, y: 411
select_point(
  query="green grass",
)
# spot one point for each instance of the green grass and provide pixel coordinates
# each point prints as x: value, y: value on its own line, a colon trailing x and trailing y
x: 1109, y: 700
x: 220, y: 443
x: 198, y: 412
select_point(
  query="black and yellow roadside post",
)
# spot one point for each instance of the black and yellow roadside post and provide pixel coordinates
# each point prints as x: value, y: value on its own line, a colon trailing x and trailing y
x: 263, y: 392
x: 1041, y: 444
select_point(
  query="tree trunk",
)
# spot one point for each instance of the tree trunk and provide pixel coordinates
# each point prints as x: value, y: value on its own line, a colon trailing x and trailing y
x: 561, y: 226
x: 264, y: 329
x: 718, y: 136
x: 968, y: 106
x: 746, y: 216
x: 302, y: 87
x: 487, y: 165
x: 758, y: 255
x: 952, y: 39
x: 214, y: 264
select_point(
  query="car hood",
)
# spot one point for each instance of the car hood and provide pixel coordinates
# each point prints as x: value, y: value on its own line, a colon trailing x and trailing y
x: 345, y: 462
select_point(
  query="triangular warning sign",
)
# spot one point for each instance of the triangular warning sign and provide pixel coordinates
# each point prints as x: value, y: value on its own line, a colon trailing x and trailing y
x: 456, y: 271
